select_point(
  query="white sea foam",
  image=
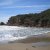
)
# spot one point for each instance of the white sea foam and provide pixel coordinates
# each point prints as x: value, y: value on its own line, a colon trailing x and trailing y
x: 10, y: 38
x: 11, y: 33
x: 3, y: 28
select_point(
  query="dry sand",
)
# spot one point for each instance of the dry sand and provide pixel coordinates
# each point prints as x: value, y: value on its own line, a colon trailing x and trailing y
x: 23, y: 46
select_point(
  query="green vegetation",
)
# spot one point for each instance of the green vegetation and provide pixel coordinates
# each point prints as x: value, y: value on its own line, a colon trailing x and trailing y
x: 38, y: 19
x: 2, y: 23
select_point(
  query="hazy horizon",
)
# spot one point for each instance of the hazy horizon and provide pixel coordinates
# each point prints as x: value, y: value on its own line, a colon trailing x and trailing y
x: 10, y: 8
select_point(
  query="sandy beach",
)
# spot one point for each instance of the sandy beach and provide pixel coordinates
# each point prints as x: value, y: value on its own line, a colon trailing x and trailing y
x: 24, y: 46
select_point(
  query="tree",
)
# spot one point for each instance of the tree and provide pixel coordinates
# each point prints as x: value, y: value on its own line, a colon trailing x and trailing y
x: 2, y: 23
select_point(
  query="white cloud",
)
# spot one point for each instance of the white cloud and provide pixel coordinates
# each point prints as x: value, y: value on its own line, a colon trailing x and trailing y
x: 34, y: 6
x: 11, y: 4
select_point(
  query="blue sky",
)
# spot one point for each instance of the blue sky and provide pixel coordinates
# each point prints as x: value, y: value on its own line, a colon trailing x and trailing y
x: 10, y: 8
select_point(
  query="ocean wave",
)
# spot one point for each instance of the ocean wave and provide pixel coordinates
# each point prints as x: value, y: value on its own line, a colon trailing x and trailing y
x: 11, y: 33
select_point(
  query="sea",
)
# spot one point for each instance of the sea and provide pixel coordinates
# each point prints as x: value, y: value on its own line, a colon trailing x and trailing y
x: 12, y: 33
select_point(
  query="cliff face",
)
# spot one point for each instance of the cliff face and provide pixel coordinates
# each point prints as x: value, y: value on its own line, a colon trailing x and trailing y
x: 39, y: 19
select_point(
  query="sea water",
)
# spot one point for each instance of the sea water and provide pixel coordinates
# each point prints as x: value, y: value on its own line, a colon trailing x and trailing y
x: 11, y: 33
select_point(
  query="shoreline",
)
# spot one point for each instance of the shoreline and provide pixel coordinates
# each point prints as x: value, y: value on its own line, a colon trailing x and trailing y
x: 26, y: 44
x: 34, y: 38
x: 31, y: 39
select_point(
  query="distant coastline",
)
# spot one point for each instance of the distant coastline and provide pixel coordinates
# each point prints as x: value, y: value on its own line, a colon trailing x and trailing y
x: 30, y: 20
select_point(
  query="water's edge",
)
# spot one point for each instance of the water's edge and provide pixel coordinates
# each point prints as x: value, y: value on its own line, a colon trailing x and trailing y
x: 12, y: 33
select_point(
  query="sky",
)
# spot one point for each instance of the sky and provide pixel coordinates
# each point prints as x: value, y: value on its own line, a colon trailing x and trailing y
x: 10, y: 8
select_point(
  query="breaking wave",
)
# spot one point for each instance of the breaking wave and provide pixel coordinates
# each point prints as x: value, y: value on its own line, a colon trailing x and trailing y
x: 11, y: 33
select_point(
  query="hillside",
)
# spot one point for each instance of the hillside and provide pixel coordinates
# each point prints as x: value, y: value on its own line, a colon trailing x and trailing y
x: 38, y: 19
